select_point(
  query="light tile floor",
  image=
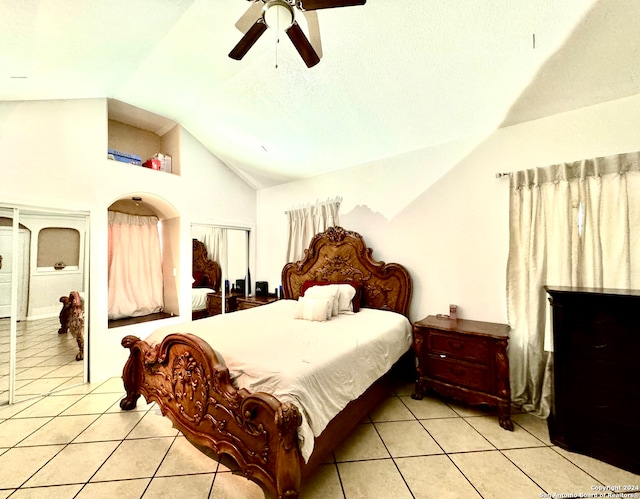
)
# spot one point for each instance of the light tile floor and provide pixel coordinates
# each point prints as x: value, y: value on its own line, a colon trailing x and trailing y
x: 78, y: 443
x: 45, y: 360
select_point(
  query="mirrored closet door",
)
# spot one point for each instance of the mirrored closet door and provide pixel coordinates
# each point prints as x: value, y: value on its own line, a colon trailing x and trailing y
x: 229, y: 248
x: 43, y: 260
x: 7, y: 327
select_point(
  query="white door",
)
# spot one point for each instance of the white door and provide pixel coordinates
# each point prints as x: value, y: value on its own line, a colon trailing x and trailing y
x: 6, y: 252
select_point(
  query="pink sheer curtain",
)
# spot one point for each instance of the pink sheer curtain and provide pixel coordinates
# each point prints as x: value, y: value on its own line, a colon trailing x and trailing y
x: 135, y: 266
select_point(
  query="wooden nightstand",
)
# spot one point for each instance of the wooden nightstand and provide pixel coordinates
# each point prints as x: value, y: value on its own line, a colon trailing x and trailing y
x: 214, y: 303
x: 255, y: 301
x: 465, y: 360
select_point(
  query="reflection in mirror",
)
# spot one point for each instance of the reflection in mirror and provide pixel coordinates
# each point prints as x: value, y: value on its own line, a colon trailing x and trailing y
x: 48, y: 259
x: 227, y: 247
x: 6, y: 273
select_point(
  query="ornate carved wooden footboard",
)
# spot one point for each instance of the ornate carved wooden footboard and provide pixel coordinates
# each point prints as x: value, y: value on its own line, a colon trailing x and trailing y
x: 184, y: 376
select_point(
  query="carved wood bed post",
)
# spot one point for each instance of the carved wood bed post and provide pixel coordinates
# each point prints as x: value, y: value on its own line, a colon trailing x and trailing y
x: 288, y: 463
x: 131, y: 375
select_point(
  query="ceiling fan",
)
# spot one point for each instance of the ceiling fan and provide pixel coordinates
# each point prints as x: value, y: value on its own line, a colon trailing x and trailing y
x: 280, y: 14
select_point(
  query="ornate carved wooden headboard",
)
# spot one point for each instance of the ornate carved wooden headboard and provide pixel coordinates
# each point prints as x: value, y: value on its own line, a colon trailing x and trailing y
x: 341, y: 255
x: 202, y: 265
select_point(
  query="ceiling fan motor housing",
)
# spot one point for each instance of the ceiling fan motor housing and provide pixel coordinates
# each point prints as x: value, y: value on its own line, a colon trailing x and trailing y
x: 278, y: 14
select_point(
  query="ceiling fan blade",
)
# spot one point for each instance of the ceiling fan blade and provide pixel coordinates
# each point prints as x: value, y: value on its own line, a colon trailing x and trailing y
x: 327, y: 4
x: 313, y: 28
x: 248, y: 18
x: 302, y: 45
x: 248, y: 40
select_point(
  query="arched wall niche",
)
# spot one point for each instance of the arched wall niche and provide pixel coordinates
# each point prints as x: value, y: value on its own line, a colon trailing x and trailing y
x: 147, y: 204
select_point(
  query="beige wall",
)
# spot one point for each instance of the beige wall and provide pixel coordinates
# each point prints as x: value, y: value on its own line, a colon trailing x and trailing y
x: 441, y: 211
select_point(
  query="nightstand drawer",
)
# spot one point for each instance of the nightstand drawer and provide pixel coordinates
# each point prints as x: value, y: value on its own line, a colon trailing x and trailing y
x: 459, y: 372
x: 245, y: 303
x: 455, y: 345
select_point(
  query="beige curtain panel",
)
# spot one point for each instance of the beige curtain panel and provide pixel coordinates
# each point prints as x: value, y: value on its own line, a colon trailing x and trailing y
x: 572, y: 224
x: 306, y: 222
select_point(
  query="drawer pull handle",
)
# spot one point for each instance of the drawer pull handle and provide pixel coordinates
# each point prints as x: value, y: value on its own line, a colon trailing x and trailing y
x: 443, y: 356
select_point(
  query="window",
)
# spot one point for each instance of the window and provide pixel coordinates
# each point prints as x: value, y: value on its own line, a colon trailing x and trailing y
x: 58, y: 247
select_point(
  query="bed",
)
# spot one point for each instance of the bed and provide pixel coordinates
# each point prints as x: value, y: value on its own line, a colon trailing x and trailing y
x: 200, y: 386
x: 206, y: 276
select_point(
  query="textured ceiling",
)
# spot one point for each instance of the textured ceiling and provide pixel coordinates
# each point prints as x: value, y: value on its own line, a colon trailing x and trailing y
x: 395, y: 75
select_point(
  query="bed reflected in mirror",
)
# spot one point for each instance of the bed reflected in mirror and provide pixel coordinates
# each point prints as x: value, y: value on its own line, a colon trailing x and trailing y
x: 224, y: 248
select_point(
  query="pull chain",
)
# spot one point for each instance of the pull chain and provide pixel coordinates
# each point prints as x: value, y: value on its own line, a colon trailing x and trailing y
x: 277, y: 38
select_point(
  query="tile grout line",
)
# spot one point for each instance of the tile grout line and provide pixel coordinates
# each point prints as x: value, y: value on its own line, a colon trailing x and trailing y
x: 373, y: 423
x: 447, y: 454
x: 64, y: 446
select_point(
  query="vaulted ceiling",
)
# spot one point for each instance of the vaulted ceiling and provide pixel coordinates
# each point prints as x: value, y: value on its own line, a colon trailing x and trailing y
x: 394, y: 75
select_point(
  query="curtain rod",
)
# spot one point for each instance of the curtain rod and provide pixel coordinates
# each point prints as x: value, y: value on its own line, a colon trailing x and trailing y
x: 337, y: 200
x: 220, y: 226
x: 502, y: 174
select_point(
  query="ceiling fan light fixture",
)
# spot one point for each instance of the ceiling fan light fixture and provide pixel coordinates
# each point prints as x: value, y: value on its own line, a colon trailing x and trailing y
x: 278, y: 14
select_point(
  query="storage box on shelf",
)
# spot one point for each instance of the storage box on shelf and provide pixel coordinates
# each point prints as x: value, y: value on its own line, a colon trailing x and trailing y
x: 152, y: 163
x: 142, y: 136
x: 123, y: 157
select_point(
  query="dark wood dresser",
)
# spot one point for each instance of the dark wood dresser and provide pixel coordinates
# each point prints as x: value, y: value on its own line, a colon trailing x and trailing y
x: 465, y: 360
x: 596, y: 403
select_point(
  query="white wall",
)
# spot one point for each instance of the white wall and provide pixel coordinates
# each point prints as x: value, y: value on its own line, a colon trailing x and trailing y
x: 53, y: 155
x: 441, y: 211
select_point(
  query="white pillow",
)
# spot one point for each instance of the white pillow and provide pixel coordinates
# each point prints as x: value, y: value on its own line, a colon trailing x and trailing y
x: 346, y: 292
x: 314, y: 309
x: 330, y: 292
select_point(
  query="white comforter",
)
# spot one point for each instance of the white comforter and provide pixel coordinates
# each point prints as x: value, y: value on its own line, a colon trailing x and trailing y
x: 199, y: 298
x: 319, y: 366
